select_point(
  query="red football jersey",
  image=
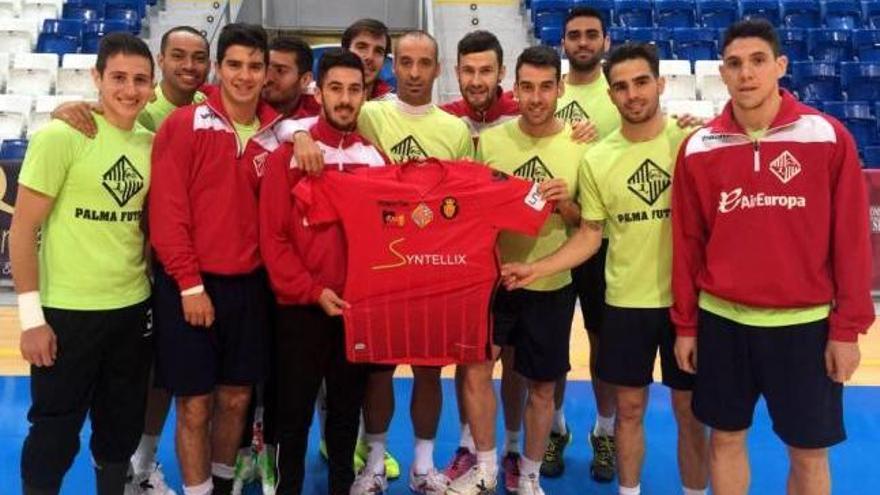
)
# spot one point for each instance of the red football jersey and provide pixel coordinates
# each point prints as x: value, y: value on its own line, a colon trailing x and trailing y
x: 422, y: 265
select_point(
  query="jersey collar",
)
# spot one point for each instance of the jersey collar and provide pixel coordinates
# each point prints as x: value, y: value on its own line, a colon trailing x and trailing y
x: 416, y: 110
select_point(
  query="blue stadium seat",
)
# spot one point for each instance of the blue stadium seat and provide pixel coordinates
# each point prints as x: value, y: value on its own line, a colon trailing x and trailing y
x: 856, y: 116
x: 786, y: 82
x: 82, y: 13
x: 13, y: 149
x: 842, y: 14
x: 801, y: 14
x: 818, y: 105
x: 861, y: 80
x: 871, y: 156
x: 548, y: 19
x: 674, y: 13
x: 60, y: 36
x: 716, y: 13
x: 95, y: 30
x: 605, y: 7
x: 123, y: 12
x: 794, y: 43
x: 815, y: 80
x: 618, y: 35
x: 660, y: 37
x: 867, y: 44
x: 768, y: 9
x: 871, y: 13
x: 551, y: 35
x: 539, y: 6
x: 633, y: 13
x: 830, y: 45
x: 694, y: 43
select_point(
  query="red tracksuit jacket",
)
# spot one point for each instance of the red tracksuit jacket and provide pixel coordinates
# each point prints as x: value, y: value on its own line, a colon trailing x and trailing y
x: 504, y: 109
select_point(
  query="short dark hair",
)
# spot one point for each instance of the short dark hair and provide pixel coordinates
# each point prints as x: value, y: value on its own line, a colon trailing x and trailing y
x: 633, y: 51
x: 372, y: 27
x: 752, y: 28
x: 480, y: 41
x: 243, y: 34
x: 182, y: 29
x: 338, y: 57
x: 540, y: 56
x: 124, y: 43
x: 420, y: 33
x: 584, y: 12
x: 291, y: 44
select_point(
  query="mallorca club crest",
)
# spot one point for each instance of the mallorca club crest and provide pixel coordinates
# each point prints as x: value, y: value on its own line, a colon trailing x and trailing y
x: 449, y: 208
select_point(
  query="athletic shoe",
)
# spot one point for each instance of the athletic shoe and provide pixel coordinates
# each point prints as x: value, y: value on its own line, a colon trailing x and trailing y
x: 149, y: 482
x: 266, y: 469
x: 245, y: 471
x: 461, y: 463
x: 604, y: 462
x: 553, y: 465
x: 528, y: 485
x: 369, y: 484
x: 431, y: 483
x: 322, y: 448
x: 476, y: 481
x: 362, y: 451
x: 510, y: 466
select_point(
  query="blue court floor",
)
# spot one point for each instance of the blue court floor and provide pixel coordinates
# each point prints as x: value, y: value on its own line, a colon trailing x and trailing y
x: 855, y: 464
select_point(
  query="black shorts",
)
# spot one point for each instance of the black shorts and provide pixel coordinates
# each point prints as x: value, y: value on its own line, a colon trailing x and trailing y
x: 589, y: 282
x: 738, y: 363
x: 194, y: 360
x: 537, y: 324
x: 629, y: 342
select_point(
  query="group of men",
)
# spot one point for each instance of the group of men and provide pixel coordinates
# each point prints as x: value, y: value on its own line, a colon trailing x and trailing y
x: 666, y: 233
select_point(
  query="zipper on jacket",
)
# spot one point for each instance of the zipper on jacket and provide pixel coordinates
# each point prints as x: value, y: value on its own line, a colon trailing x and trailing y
x: 756, y: 146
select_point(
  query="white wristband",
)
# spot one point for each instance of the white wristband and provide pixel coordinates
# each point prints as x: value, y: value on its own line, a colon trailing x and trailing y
x: 30, y: 310
x: 198, y: 289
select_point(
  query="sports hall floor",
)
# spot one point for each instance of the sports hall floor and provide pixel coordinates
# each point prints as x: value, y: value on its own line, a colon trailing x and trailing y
x: 855, y: 464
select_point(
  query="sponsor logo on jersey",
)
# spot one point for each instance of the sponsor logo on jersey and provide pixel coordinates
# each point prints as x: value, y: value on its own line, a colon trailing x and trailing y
x: 648, y: 182
x: 534, y: 170
x: 785, y: 167
x: 408, y: 149
x: 735, y: 199
x: 534, y: 199
x: 123, y: 181
x: 449, y: 208
x: 393, y: 219
x: 422, y: 215
x: 572, y: 112
x: 401, y: 259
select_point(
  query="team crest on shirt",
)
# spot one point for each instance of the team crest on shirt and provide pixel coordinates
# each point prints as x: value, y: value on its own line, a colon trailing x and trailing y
x: 122, y: 181
x: 648, y: 182
x: 422, y: 215
x: 533, y: 170
x: 572, y: 112
x: 785, y: 167
x: 449, y: 208
x: 391, y: 218
x: 260, y: 163
x: 408, y: 149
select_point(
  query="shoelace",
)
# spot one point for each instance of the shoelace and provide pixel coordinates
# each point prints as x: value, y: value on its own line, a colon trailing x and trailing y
x: 553, y: 449
x: 604, y: 451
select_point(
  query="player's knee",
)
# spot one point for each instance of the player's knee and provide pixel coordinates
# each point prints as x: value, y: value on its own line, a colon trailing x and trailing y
x: 630, y: 409
x: 193, y: 412
x: 721, y: 440
x: 234, y: 399
x: 808, y: 459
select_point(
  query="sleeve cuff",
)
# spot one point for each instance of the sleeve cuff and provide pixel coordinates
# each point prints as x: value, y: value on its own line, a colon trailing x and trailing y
x: 686, y: 331
x: 843, y: 335
x: 188, y: 283
x: 315, y: 295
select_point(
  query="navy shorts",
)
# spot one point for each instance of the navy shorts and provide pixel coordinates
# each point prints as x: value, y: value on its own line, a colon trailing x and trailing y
x: 589, y: 282
x: 738, y: 363
x: 629, y: 342
x: 233, y: 351
x: 537, y: 324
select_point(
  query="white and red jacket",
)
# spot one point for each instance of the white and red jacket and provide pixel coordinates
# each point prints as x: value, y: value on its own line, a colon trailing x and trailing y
x: 777, y: 222
x: 502, y: 109
x: 303, y: 260
x: 203, y: 207
x: 381, y: 91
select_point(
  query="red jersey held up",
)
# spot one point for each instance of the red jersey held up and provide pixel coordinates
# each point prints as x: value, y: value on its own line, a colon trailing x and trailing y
x: 423, y: 267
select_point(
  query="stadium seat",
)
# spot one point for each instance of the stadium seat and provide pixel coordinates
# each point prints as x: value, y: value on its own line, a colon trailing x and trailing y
x: 697, y: 108
x: 694, y: 43
x: 681, y: 84
x: 871, y: 13
x: 605, y: 7
x: 675, y: 68
x: 82, y: 12
x: 830, y: 45
x: 867, y: 44
x: 815, y: 80
x: 60, y: 36
x: 794, y: 43
x: 17, y: 35
x: 74, y: 76
x: 9, y: 9
x: 548, y: 19
x: 551, y: 35
x: 95, y: 30
x: 4, y: 70
x: 43, y: 107
x: 801, y: 14
x: 768, y: 9
x: 40, y: 10
x: 618, y: 36
x: 719, y: 105
x: 659, y: 37
x: 33, y: 74
x: 548, y: 6
x: 122, y: 12
x: 13, y: 149
x: 842, y: 14
x: 871, y: 156
x: 861, y: 80
x: 857, y: 118
x: 716, y: 13
x: 674, y: 13
x: 14, y: 113
x: 710, y: 86
x: 633, y: 13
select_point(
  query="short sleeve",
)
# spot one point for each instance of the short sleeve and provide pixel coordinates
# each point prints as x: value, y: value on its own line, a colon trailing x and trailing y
x: 313, y: 200
x: 516, y: 204
x: 49, y: 156
x: 589, y: 198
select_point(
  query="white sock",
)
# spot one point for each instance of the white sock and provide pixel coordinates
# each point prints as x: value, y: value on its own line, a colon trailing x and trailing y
x: 203, y: 488
x: 145, y: 455
x: 559, y: 422
x: 489, y: 461
x: 467, y: 441
x: 223, y: 471
x: 423, y: 460
x: 693, y: 491
x: 636, y: 490
x: 604, y: 426
x: 528, y: 467
x: 511, y: 442
x: 376, y: 447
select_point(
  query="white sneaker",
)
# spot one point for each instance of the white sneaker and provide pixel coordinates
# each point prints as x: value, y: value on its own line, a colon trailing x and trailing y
x: 431, y: 483
x: 149, y: 482
x: 369, y: 483
x: 476, y: 481
x: 528, y: 485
